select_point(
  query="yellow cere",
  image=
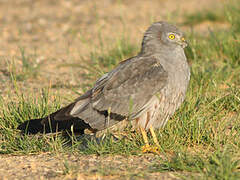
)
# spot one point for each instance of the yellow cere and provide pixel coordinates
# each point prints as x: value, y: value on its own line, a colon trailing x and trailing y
x: 171, y: 36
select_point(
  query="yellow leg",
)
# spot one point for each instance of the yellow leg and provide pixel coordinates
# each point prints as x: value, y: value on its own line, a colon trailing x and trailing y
x: 147, y: 148
x: 144, y: 134
x: 154, y: 136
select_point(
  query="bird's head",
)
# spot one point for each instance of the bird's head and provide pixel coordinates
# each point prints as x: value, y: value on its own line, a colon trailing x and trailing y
x: 161, y: 35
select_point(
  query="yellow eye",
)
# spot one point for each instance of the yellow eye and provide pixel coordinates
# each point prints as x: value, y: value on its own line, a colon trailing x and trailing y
x: 171, y: 36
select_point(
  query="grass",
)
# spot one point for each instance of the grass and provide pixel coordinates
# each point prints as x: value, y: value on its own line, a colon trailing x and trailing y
x: 29, y: 67
x: 200, y: 17
x: 201, y: 138
x: 218, y: 165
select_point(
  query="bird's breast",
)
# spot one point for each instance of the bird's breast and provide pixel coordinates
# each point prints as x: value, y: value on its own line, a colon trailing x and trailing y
x: 173, y: 94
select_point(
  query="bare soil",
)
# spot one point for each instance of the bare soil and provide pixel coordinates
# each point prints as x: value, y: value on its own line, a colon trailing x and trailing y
x: 48, y: 166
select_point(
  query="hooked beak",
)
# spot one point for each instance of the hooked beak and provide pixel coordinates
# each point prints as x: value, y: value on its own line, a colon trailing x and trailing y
x: 183, y: 42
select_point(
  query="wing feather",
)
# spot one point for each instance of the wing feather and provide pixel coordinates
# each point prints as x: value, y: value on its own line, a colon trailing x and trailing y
x: 128, y: 89
x: 124, y: 91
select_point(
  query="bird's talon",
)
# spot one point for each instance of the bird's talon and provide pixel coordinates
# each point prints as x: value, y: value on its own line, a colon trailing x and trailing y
x: 150, y: 149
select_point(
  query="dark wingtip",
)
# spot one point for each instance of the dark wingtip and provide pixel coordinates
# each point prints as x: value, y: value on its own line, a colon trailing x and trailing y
x: 32, y: 126
x: 43, y: 125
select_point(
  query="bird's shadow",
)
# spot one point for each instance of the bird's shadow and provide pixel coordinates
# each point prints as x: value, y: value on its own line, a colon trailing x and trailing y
x: 82, y: 142
x: 86, y: 141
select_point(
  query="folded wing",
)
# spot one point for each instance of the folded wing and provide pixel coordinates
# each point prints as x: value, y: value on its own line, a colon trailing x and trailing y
x: 123, y: 92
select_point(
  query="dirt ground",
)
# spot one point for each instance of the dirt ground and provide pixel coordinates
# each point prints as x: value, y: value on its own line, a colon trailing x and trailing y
x: 61, y: 32
x: 47, y: 166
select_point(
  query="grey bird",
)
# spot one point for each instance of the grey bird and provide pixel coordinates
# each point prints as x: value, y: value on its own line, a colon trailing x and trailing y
x: 145, y: 90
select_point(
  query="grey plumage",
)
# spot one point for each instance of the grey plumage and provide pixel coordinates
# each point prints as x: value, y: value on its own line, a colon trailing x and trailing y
x: 146, y: 89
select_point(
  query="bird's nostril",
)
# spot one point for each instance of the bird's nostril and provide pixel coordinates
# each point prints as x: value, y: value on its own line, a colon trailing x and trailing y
x: 182, y: 39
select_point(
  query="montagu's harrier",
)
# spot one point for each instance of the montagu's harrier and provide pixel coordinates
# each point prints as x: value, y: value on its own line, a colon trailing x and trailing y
x: 145, y: 89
